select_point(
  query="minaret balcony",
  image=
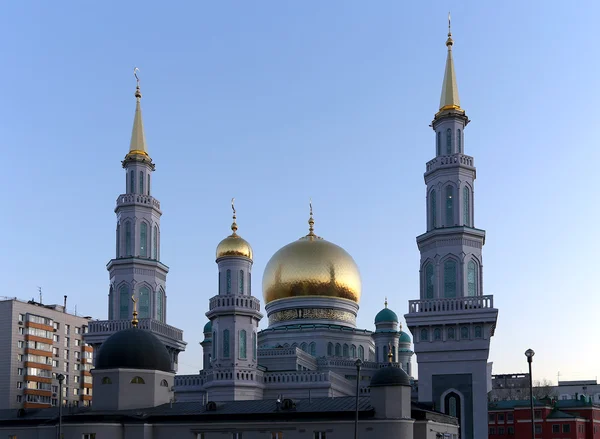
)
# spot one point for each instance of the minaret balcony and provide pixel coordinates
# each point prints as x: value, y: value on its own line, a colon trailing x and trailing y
x: 233, y: 303
x: 137, y: 200
x: 447, y: 161
x: 111, y: 326
x: 451, y: 305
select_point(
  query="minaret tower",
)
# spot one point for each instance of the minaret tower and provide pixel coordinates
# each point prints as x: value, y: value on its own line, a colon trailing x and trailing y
x: 453, y: 321
x: 136, y: 270
x: 234, y: 315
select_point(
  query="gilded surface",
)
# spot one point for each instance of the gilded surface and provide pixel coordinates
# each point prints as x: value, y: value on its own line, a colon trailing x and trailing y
x: 312, y: 314
x: 311, y: 266
x: 234, y: 246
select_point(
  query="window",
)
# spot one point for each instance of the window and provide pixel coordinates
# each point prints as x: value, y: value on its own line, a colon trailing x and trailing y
x: 450, y: 278
x: 131, y: 182
x: 464, y: 333
x: 137, y: 380
x: 254, y: 346
x: 226, y: 343
x: 19, y: 399
x: 76, y: 392
x: 491, y: 418
x: 346, y: 351
x: 124, y: 302
x: 538, y: 428
x: 537, y: 414
x: 452, y: 406
x: 20, y: 344
x: 160, y: 305
x: 19, y: 384
x: 77, y: 343
x: 236, y: 436
x: 88, y: 436
x: 21, y: 330
x: 228, y: 281
x: 566, y: 428
x: 509, y: 416
x: 313, y: 349
x: 555, y: 428
x: 330, y: 349
x: 127, y: 238
x: 492, y: 430
x: 424, y: 334
x: 439, y: 143
x: 433, y: 209
x: 54, y: 363
x: 353, y: 351
x: 429, y: 280
x: 214, y: 345
x: 471, y: 279
x: 437, y: 334
x: 451, y: 333
x: 241, y: 281
x: 511, y: 430
x: 448, y: 141
x: 458, y: 141
x: 164, y: 383
x: 361, y: 353
x: 67, y: 329
x: 142, y: 182
x: 20, y: 371
x: 106, y: 380
x: 338, y: 350
x: 242, y: 352
x: 466, y: 208
x: 500, y: 418
x: 449, y: 206
x: 276, y: 435
x: 320, y: 435
x: 143, y: 240
x: 155, y: 243
x: 144, y: 303
x: 500, y: 430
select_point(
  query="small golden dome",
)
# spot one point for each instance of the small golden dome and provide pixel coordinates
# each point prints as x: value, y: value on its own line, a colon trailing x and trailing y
x: 234, y: 245
x: 311, y: 266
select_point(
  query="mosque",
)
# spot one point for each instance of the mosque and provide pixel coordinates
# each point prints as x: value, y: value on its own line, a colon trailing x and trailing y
x: 312, y: 351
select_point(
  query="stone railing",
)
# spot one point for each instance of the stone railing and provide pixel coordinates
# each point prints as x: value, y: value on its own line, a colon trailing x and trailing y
x: 325, y: 362
x: 235, y: 300
x: 448, y: 160
x: 127, y: 199
x: 111, y: 326
x: 450, y: 305
x: 276, y: 352
x: 297, y: 377
x: 221, y: 374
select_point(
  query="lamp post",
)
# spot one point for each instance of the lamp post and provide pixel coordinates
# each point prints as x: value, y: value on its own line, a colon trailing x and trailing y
x: 60, y: 378
x: 529, y: 354
x: 358, y: 366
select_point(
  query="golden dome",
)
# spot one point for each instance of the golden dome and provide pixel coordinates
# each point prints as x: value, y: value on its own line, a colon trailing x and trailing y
x: 234, y: 245
x: 311, y: 266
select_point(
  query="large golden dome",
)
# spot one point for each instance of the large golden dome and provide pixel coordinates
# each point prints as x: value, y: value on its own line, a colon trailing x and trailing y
x: 311, y: 266
x: 234, y: 244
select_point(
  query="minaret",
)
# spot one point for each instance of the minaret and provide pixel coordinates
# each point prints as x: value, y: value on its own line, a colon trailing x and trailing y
x: 234, y: 315
x: 453, y: 321
x: 136, y: 270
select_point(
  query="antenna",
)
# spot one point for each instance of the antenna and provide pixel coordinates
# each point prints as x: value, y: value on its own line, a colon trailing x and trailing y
x: 40, y: 291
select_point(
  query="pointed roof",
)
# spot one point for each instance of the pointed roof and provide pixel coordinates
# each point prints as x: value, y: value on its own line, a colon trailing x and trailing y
x: 449, y: 99
x: 138, y: 138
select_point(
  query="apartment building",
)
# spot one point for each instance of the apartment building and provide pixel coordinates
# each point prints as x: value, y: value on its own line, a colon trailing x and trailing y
x: 38, y: 342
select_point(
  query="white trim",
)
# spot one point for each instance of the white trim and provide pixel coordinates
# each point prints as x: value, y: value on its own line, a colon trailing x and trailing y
x: 462, y: 406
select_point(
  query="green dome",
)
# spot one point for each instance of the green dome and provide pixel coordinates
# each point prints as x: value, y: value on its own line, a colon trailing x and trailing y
x: 208, y: 327
x: 386, y: 315
x: 404, y: 338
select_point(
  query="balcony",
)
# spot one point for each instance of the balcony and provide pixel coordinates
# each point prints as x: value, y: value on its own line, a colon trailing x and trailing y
x: 112, y: 326
x: 235, y: 300
x: 448, y: 161
x: 433, y: 306
x: 137, y: 200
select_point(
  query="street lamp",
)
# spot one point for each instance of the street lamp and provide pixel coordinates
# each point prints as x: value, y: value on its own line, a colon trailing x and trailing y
x: 60, y: 378
x: 529, y: 354
x: 358, y: 364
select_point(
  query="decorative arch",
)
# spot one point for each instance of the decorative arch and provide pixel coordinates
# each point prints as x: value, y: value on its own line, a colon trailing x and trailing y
x: 304, y: 347
x: 338, y: 350
x: 361, y: 353
x: 137, y: 380
x: 118, y: 249
x: 458, y: 141
x: 226, y: 343
x: 144, y: 302
x: 353, y: 351
x: 131, y: 182
x: 160, y: 304
x: 451, y: 333
x: 243, y: 340
x: 450, y: 277
x: 424, y: 334
x: 346, y: 350
x: 128, y: 239
x: 466, y: 206
x: 464, y: 332
x: 241, y: 283
x: 228, y: 280
x: 106, y: 380
x: 478, y: 332
x: 124, y: 299
x: 330, y: 349
x: 155, y: 243
x: 439, y: 143
x: 458, y: 406
x: 448, y: 141
x: 164, y: 383
x: 432, y: 209
x: 429, y: 281
x: 472, y: 278
x: 141, y: 182
x: 313, y: 349
x: 437, y: 334
x: 449, y: 196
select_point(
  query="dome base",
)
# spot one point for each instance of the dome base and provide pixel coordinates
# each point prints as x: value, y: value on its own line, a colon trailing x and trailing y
x: 312, y: 309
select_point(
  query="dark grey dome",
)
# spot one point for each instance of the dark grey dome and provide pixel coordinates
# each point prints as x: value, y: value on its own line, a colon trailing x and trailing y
x: 390, y: 376
x: 133, y: 349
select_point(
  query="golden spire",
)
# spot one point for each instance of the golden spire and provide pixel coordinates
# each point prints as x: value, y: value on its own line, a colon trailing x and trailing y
x: 390, y: 355
x: 449, y: 99
x: 311, y: 221
x: 234, y: 226
x: 134, y: 321
x: 138, y: 138
x: 385, y: 302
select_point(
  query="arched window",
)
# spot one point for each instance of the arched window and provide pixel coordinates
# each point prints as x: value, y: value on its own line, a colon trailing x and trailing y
x: 226, y: 343
x: 118, y: 240
x: 214, y: 345
x: 160, y: 305
x: 439, y: 143
x: 471, y: 279
x: 228, y: 281
x: 432, y: 209
x: 304, y: 347
x: 124, y: 302
x: 148, y: 184
x: 142, y: 182
x: 477, y: 331
x: 330, y: 349
x: 449, y: 206
x: 254, y: 345
x: 111, y: 303
x: 127, y: 238
x: 448, y: 141
x: 249, y: 283
x: 312, y: 349
x: 464, y: 332
x: 458, y: 141
x: 137, y: 380
x: 452, y: 406
x: 242, y: 352
x: 424, y: 334
x: 466, y: 207
x: 361, y: 353
x: 106, y: 380
x: 437, y: 334
x: 131, y: 182
x: 241, y: 281
x: 143, y: 240
x: 429, y: 281
x: 164, y: 383
x: 353, y: 351
x: 144, y: 303
x: 346, y: 351
x: 338, y: 350
x: 155, y: 243
x: 451, y: 333
x: 450, y: 278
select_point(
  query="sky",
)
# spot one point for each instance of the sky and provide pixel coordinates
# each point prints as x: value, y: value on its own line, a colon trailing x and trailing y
x: 276, y: 102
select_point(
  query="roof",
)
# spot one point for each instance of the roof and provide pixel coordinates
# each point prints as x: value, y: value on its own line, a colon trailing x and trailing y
x: 133, y: 348
x: 386, y: 315
x: 390, y: 376
x: 559, y: 404
x: 557, y: 414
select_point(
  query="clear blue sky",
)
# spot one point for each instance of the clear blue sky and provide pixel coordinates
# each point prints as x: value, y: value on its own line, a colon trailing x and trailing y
x: 274, y: 102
